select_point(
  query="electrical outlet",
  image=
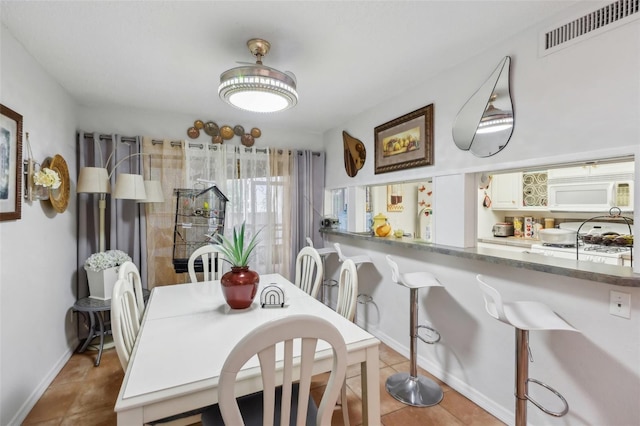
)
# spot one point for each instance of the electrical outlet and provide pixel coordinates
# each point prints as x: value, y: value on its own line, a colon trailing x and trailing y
x: 620, y: 304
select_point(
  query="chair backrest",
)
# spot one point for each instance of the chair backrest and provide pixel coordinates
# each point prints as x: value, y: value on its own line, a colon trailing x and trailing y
x: 309, y: 241
x: 210, y: 255
x: 309, y: 271
x: 125, y: 322
x: 347, y: 290
x: 492, y: 300
x: 395, y: 271
x: 129, y: 271
x: 262, y: 342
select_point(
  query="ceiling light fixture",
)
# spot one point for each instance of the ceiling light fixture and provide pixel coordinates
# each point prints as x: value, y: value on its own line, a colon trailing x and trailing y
x: 256, y: 87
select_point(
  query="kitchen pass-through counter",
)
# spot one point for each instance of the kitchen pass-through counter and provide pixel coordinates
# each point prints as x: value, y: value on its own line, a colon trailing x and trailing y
x: 602, y: 273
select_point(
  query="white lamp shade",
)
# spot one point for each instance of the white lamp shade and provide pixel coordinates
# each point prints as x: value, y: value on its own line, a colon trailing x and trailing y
x: 153, y: 188
x: 93, y: 180
x: 129, y: 187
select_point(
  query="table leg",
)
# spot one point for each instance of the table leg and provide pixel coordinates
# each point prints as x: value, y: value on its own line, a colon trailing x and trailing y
x: 101, y: 325
x: 92, y: 332
x: 370, y: 377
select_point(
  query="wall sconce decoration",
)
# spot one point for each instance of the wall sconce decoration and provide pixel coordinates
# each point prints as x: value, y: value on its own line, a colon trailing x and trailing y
x: 220, y: 134
x: 355, y: 154
x: 46, y: 181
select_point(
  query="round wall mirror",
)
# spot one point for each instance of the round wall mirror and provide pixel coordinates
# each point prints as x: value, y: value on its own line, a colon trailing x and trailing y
x: 485, y: 123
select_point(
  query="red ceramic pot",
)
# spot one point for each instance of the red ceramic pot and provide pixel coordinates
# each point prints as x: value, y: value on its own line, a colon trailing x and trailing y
x: 240, y: 286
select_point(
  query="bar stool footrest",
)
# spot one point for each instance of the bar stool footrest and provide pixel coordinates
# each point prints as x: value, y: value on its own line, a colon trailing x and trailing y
x: 363, y: 299
x: 556, y: 393
x: 430, y: 340
x: 330, y: 283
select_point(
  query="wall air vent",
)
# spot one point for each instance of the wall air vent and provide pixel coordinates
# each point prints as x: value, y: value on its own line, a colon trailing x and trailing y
x: 589, y: 25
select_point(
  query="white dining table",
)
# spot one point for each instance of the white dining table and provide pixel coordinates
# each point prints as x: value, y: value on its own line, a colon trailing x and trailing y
x: 187, y: 332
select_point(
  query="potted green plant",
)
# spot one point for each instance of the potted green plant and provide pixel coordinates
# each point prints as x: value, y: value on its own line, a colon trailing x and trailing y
x: 102, y: 272
x: 240, y: 284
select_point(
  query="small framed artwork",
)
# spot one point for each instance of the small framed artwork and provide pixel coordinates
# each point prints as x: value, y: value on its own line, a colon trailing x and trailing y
x: 10, y: 164
x: 394, y: 198
x: 405, y: 142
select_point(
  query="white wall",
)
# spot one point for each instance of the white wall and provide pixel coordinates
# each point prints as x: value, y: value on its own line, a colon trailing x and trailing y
x: 579, y: 103
x: 37, y: 252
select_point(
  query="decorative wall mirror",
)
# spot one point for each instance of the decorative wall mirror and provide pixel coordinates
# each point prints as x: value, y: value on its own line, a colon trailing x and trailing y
x: 485, y: 123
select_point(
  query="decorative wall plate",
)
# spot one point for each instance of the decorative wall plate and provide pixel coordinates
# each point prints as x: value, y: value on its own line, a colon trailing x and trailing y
x: 193, y: 132
x: 60, y: 197
x: 211, y: 128
x: 226, y: 132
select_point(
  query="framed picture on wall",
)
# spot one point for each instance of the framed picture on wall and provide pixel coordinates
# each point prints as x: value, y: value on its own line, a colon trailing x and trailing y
x: 394, y: 198
x: 405, y: 142
x: 10, y: 164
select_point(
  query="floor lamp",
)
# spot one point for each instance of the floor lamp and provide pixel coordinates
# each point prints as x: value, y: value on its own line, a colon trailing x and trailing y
x: 95, y: 180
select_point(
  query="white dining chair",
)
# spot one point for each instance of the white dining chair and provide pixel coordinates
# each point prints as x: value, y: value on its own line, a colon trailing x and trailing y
x: 211, y: 257
x: 290, y: 402
x: 309, y: 271
x: 125, y: 320
x: 129, y: 271
x: 125, y: 325
x: 346, y: 306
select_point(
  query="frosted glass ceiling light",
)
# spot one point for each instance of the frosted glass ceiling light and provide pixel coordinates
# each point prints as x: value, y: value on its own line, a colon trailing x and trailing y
x: 258, y: 88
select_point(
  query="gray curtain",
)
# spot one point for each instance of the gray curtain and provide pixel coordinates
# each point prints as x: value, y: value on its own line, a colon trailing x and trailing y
x: 125, y: 225
x: 307, y: 200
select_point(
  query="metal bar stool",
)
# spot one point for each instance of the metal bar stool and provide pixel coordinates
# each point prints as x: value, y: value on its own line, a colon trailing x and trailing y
x: 324, y: 253
x: 524, y: 316
x: 363, y: 299
x: 411, y: 388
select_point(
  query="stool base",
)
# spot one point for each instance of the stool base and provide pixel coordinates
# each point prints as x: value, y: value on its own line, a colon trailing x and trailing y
x: 417, y: 391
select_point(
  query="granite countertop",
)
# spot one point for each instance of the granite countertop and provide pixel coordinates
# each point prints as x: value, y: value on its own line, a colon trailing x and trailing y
x: 598, y: 272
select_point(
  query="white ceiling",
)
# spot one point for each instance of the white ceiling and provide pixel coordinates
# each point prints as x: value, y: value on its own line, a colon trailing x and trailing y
x: 348, y: 56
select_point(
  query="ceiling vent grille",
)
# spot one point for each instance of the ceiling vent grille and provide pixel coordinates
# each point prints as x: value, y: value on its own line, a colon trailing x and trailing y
x: 589, y: 25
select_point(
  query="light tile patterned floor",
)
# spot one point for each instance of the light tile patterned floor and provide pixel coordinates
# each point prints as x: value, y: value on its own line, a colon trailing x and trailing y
x: 85, y: 395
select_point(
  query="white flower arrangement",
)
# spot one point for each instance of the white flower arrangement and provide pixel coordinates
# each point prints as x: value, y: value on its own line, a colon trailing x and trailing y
x: 47, y: 178
x: 107, y: 259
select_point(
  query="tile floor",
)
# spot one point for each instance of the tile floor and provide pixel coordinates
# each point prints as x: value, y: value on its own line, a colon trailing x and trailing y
x: 82, y: 394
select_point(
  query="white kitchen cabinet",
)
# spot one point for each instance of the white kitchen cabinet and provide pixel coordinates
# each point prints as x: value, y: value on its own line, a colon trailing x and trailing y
x: 506, y: 191
x: 519, y: 191
x: 593, y: 170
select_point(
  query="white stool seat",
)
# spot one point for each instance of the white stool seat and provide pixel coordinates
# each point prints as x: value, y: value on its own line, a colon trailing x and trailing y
x: 325, y: 251
x: 418, y: 280
x: 358, y: 259
x: 524, y: 315
x: 534, y: 316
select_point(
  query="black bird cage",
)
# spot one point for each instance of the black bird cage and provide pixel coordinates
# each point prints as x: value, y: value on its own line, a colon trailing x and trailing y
x: 199, y: 218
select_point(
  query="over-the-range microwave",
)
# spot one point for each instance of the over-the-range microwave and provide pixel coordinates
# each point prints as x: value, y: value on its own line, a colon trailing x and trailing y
x: 596, y: 197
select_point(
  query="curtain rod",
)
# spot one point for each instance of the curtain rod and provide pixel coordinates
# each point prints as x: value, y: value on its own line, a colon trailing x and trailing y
x: 109, y: 137
x: 237, y: 148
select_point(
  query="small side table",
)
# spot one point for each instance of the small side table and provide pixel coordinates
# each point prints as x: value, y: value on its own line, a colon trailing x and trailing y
x: 95, y: 308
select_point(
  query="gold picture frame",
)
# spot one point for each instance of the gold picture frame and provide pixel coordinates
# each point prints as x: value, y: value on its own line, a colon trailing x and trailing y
x: 10, y: 164
x: 405, y: 142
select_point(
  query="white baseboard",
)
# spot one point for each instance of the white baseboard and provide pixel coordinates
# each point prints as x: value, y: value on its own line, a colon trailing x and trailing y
x: 37, y: 393
x: 458, y: 385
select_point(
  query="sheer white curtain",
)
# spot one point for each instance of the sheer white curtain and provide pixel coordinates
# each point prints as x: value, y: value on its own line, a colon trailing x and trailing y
x: 256, y: 182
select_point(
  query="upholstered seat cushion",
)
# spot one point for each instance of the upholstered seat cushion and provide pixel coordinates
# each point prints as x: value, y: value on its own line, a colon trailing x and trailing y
x: 251, y: 407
